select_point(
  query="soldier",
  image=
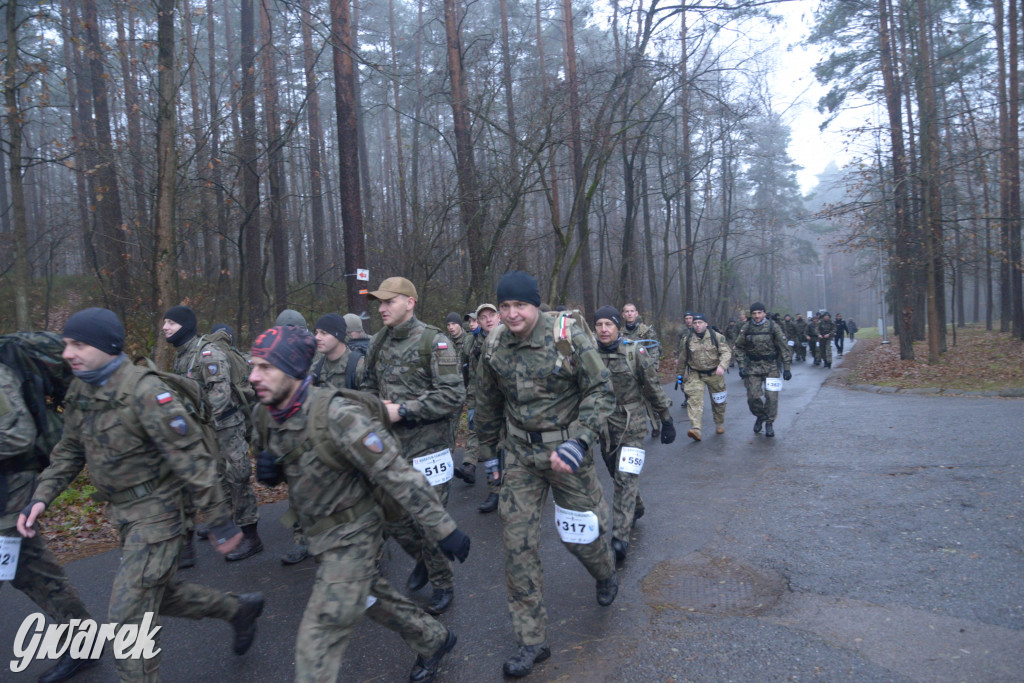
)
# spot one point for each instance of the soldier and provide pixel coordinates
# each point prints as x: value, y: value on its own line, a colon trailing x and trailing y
x: 457, y: 333
x: 339, y: 366
x: 550, y: 392
x: 789, y: 329
x: 414, y: 369
x: 38, y: 575
x: 703, y: 361
x: 841, y: 329
x: 634, y: 329
x: 290, y: 316
x: 634, y: 376
x: 732, y: 330
x: 141, y: 448
x: 356, y: 336
x: 800, y: 336
x: 200, y: 359
x: 487, y: 315
x: 812, y: 339
x: 471, y: 320
x: 826, y: 331
x: 760, y: 347
x: 331, y: 449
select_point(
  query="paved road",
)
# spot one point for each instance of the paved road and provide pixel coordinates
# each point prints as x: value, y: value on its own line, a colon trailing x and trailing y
x: 876, y: 538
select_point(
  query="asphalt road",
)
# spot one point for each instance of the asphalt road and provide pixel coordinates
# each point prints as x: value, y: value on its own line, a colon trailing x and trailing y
x: 875, y: 538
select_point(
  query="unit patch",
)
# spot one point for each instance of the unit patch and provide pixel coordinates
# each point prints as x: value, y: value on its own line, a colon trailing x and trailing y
x: 178, y: 425
x: 373, y: 443
x: 212, y: 368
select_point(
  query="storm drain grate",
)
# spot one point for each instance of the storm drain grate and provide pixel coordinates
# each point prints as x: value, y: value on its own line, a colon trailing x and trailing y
x: 712, y: 585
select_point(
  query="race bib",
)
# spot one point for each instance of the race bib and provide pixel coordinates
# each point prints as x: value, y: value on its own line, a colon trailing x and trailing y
x: 791, y: 342
x: 576, y: 527
x: 773, y: 384
x: 719, y: 397
x: 369, y: 601
x: 10, y: 549
x: 436, y: 467
x: 631, y: 460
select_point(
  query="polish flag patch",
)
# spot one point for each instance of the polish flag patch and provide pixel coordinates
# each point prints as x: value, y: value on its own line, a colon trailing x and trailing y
x: 442, y: 345
x: 164, y: 398
x: 207, y: 353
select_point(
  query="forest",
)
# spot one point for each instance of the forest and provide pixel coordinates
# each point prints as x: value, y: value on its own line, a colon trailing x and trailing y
x: 244, y: 156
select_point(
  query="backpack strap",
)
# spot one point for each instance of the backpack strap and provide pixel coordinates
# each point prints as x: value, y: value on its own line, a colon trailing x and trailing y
x: 427, y: 346
x: 353, y: 364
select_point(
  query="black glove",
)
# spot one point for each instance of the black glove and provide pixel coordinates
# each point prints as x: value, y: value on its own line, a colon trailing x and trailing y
x: 455, y: 545
x: 571, y: 452
x: 268, y: 471
x: 743, y: 373
x: 787, y: 375
x: 668, y: 432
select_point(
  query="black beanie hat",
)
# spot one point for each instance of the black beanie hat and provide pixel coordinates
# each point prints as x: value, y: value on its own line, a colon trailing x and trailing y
x: 96, y: 327
x: 757, y: 306
x: 287, y: 348
x: 517, y: 285
x: 332, y: 323
x: 699, y: 316
x: 453, y: 317
x: 184, y: 316
x: 608, y: 313
x: 227, y: 328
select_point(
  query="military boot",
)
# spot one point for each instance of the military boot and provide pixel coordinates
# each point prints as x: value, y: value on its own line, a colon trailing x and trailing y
x: 244, y: 622
x: 250, y: 545
x: 620, y: 548
x: 521, y: 663
x: 66, y: 668
x: 425, y: 668
x: 188, y: 552
x: 440, y: 601
x: 202, y: 530
x: 607, y: 589
x: 758, y: 423
x: 298, y: 553
x: 466, y: 472
x: 490, y: 504
x: 694, y: 434
x: 768, y: 429
x: 418, y: 578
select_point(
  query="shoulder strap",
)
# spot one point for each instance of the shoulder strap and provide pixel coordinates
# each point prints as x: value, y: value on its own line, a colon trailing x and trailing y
x: 427, y: 345
x: 354, y: 355
x: 318, y: 369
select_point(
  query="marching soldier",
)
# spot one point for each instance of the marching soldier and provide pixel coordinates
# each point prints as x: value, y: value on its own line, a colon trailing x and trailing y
x: 703, y: 360
x: 761, y: 346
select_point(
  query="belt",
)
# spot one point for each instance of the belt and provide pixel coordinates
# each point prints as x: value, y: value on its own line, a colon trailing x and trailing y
x: 774, y: 356
x: 346, y: 516
x: 131, y: 494
x: 553, y: 436
x: 704, y: 372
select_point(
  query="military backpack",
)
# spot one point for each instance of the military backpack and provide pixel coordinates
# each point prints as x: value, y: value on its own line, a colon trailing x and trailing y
x: 426, y: 347
x: 242, y: 393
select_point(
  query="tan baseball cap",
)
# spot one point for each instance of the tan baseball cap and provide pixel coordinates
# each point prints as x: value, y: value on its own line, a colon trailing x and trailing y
x: 392, y: 287
x: 483, y: 306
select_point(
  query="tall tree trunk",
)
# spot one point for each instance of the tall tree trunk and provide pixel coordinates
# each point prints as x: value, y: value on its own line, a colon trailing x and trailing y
x: 133, y: 116
x: 222, y: 213
x: 252, y: 261
x: 686, y: 166
x: 403, y: 209
x: 275, y: 162
x: 14, y: 130
x: 366, y: 183
x: 164, y: 260
x: 316, y: 134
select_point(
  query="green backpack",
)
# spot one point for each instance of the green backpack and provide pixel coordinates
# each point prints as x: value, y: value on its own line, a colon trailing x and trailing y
x: 242, y: 393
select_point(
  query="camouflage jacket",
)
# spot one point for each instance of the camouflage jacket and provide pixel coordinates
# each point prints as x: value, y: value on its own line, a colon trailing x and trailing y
x: 826, y: 328
x: 211, y: 368
x: 812, y: 330
x: 705, y: 354
x: 318, y: 491
x: 332, y: 372
x: 731, y: 330
x: 800, y: 326
x: 17, y: 439
x: 432, y: 395
x: 633, y: 382
x: 132, y: 431
x: 759, y: 348
x: 642, y: 330
x: 789, y: 327
x: 522, y: 381
x: 474, y: 350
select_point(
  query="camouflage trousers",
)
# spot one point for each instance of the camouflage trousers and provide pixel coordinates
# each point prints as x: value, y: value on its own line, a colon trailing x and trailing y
x: 626, y: 499
x: 348, y: 584
x: 694, y: 389
x: 799, y: 350
x: 815, y: 351
x: 146, y: 582
x: 762, y: 403
x: 38, y: 576
x: 528, y: 476
x: 415, y: 542
x: 471, y: 457
x: 825, y: 350
x: 235, y: 468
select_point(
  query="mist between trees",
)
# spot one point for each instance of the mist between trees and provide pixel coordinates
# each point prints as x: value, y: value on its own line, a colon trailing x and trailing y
x: 244, y: 156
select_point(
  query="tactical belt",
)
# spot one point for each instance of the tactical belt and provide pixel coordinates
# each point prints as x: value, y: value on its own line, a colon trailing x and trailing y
x: 131, y: 494
x: 703, y: 373
x: 346, y: 516
x: 553, y: 436
x: 773, y: 356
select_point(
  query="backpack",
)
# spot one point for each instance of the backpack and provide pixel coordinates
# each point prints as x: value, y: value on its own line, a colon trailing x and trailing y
x: 562, y: 322
x: 426, y: 349
x: 351, y: 366
x: 35, y: 359
x: 242, y: 393
x: 326, y: 450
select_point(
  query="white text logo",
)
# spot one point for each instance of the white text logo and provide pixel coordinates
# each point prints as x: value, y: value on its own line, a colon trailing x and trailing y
x: 82, y: 639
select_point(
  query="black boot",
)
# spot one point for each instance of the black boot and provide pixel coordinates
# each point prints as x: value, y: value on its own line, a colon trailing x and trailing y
x: 188, y: 552
x: 297, y: 554
x: 466, y: 472
x: 490, y: 504
x: 768, y: 429
x: 418, y: 578
x: 250, y: 545
x: 758, y: 424
x: 424, y: 669
x: 66, y: 669
x: 202, y: 530
x: 521, y: 663
x: 244, y: 621
x: 607, y: 589
x: 620, y: 548
x: 440, y: 601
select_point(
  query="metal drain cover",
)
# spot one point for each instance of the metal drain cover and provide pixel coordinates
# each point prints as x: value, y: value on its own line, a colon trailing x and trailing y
x: 712, y: 585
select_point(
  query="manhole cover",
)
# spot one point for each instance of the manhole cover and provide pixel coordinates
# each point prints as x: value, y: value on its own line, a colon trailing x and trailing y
x: 712, y: 585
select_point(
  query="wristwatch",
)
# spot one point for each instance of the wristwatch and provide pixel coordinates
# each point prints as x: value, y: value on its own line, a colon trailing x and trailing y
x: 403, y: 412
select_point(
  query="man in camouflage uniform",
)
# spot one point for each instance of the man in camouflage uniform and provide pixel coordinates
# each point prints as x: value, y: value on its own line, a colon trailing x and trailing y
x: 332, y: 450
x: 200, y: 359
x: 414, y: 369
x: 487, y: 316
x: 356, y: 337
x: 789, y: 329
x: 761, y: 347
x: 339, y: 366
x: 703, y: 360
x: 549, y: 393
x: 38, y: 575
x: 142, y: 449
x: 634, y: 329
x: 826, y: 332
x: 812, y: 339
x: 634, y: 375
x: 799, y: 337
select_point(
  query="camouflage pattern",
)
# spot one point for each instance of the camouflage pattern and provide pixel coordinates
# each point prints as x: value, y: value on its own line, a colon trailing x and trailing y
x: 521, y: 382
x: 332, y: 372
x: 433, y: 399
x: 698, y: 367
x: 210, y: 367
x: 812, y: 339
x: 760, y: 349
x: 347, y: 577
x: 826, y: 333
x: 799, y: 339
x: 130, y: 431
x: 634, y: 384
x: 38, y: 575
x: 474, y: 350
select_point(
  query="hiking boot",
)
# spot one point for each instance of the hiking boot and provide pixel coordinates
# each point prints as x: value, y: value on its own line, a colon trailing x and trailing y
x: 757, y: 425
x: 490, y: 504
x: 250, y: 545
x: 188, y: 552
x: 202, y: 530
x: 297, y: 554
x: 720, y: 429
x: 66, y: 668
x: 607, y: 589
x: 244, y: 621
x: 425, y: 668
x: 828, y: 365
x: 768, y: 429
x: 638, y: 512
x: 694, y: 434
x: 521, y: 663
x: 440, y: 601
x: 467, y: 473
x: 418, y: 578
x: 620, y: 548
